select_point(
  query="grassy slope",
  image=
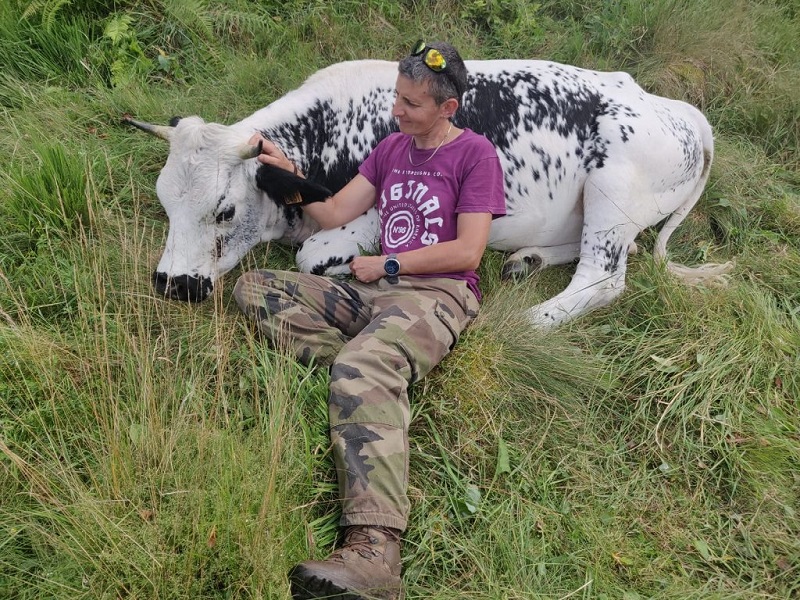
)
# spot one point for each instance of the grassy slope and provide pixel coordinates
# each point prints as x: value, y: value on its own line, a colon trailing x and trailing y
x: 155, y: 450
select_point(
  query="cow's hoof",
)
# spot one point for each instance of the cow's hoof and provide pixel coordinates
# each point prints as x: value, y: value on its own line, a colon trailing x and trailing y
x: 520, y: 269
x: 547, y: 315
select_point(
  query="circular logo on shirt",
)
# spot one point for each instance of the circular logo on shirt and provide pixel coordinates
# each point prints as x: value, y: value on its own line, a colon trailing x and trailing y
x: 400, y: 228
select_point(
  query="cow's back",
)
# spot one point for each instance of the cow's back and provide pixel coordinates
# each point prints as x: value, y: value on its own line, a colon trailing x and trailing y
x: 589, y: 159
x: 552, y: 124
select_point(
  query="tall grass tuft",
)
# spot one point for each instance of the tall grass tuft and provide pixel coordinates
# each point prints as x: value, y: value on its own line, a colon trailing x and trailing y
x: 51, y: 195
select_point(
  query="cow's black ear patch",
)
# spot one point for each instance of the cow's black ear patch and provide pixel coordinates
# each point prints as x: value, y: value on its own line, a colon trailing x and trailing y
x: 283, y: 186
x: 174, y: 121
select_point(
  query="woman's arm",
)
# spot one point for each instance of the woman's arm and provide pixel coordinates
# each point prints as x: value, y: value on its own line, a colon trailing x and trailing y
x: 461, y: 254
x: 353, y: 200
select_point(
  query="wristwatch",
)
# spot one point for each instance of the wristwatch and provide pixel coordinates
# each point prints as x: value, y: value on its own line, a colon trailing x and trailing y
x: 392, y: 267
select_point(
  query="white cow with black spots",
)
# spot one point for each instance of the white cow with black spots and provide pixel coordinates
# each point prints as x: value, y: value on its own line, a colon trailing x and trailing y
x: 590, y: 160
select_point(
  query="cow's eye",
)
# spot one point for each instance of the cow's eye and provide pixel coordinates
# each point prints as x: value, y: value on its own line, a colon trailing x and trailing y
x: 226, y: 215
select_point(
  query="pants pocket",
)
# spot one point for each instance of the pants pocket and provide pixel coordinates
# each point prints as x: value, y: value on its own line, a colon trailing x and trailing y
x: 451, y: 321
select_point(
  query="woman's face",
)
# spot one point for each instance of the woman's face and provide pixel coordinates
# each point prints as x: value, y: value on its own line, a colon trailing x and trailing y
x: 415, y: 110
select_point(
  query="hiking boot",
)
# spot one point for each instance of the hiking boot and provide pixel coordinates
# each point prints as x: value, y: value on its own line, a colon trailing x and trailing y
x: 366, y: 567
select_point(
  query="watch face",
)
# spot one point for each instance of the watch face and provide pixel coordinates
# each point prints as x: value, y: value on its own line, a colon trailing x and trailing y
x: 391, y: 266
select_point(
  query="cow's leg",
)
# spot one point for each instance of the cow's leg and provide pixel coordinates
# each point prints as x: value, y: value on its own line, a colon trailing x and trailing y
x: 330, y: 251
x: 526, y: 261
x: 610, y: 227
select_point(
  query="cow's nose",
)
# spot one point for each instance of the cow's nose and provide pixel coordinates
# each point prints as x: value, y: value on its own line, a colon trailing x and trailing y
x: 187, y: 288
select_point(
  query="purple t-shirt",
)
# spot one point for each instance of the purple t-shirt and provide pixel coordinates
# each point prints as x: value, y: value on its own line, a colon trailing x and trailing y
x: 419, y: 205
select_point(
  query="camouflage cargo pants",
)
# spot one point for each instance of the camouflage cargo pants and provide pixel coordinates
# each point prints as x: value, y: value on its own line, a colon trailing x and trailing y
x: 377, y: 338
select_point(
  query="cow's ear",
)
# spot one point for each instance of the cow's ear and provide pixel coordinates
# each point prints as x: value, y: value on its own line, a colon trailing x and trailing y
x: 286, y: 188
x: 174, y: 121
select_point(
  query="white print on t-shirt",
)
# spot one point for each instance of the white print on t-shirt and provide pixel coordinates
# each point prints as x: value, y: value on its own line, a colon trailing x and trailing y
x: 416, y: 173
x: 413, y: 214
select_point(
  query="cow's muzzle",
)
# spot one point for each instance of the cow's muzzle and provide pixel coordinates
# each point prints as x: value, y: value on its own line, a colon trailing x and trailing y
x: 182, y: 287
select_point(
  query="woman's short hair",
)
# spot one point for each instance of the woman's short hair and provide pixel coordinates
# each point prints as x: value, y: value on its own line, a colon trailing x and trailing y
x: 443, y: 85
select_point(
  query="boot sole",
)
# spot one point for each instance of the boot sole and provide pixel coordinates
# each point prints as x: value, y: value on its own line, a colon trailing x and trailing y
x: 306, y: 586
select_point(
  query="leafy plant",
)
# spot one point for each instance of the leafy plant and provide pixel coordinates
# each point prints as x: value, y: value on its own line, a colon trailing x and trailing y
x: 127, y: 57
x: 46, y: 10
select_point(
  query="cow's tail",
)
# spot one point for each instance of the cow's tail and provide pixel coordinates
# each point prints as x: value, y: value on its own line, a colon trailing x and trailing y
x: 713, y: 273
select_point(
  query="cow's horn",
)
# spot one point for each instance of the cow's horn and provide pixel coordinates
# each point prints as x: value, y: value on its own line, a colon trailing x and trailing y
x: 162, y: 131
x: 250, y: 150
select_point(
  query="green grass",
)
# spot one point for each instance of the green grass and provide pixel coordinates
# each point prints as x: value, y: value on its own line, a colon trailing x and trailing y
x: 150, y: 449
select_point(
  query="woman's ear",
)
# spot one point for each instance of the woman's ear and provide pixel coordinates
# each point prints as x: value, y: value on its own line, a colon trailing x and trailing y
x: 449, y: 108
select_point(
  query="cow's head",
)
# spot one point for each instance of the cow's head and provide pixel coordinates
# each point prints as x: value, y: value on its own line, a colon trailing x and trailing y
x: 216, y: 213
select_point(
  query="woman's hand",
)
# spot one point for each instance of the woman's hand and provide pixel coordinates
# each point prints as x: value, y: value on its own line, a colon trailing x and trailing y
x: 271, y: 154
x: 367, y: 269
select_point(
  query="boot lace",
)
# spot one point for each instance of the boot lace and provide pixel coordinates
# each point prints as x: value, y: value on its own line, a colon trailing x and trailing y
x: 359, y: 540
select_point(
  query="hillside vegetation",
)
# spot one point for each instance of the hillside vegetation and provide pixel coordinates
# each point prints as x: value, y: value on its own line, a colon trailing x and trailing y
x: 152, y: 449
